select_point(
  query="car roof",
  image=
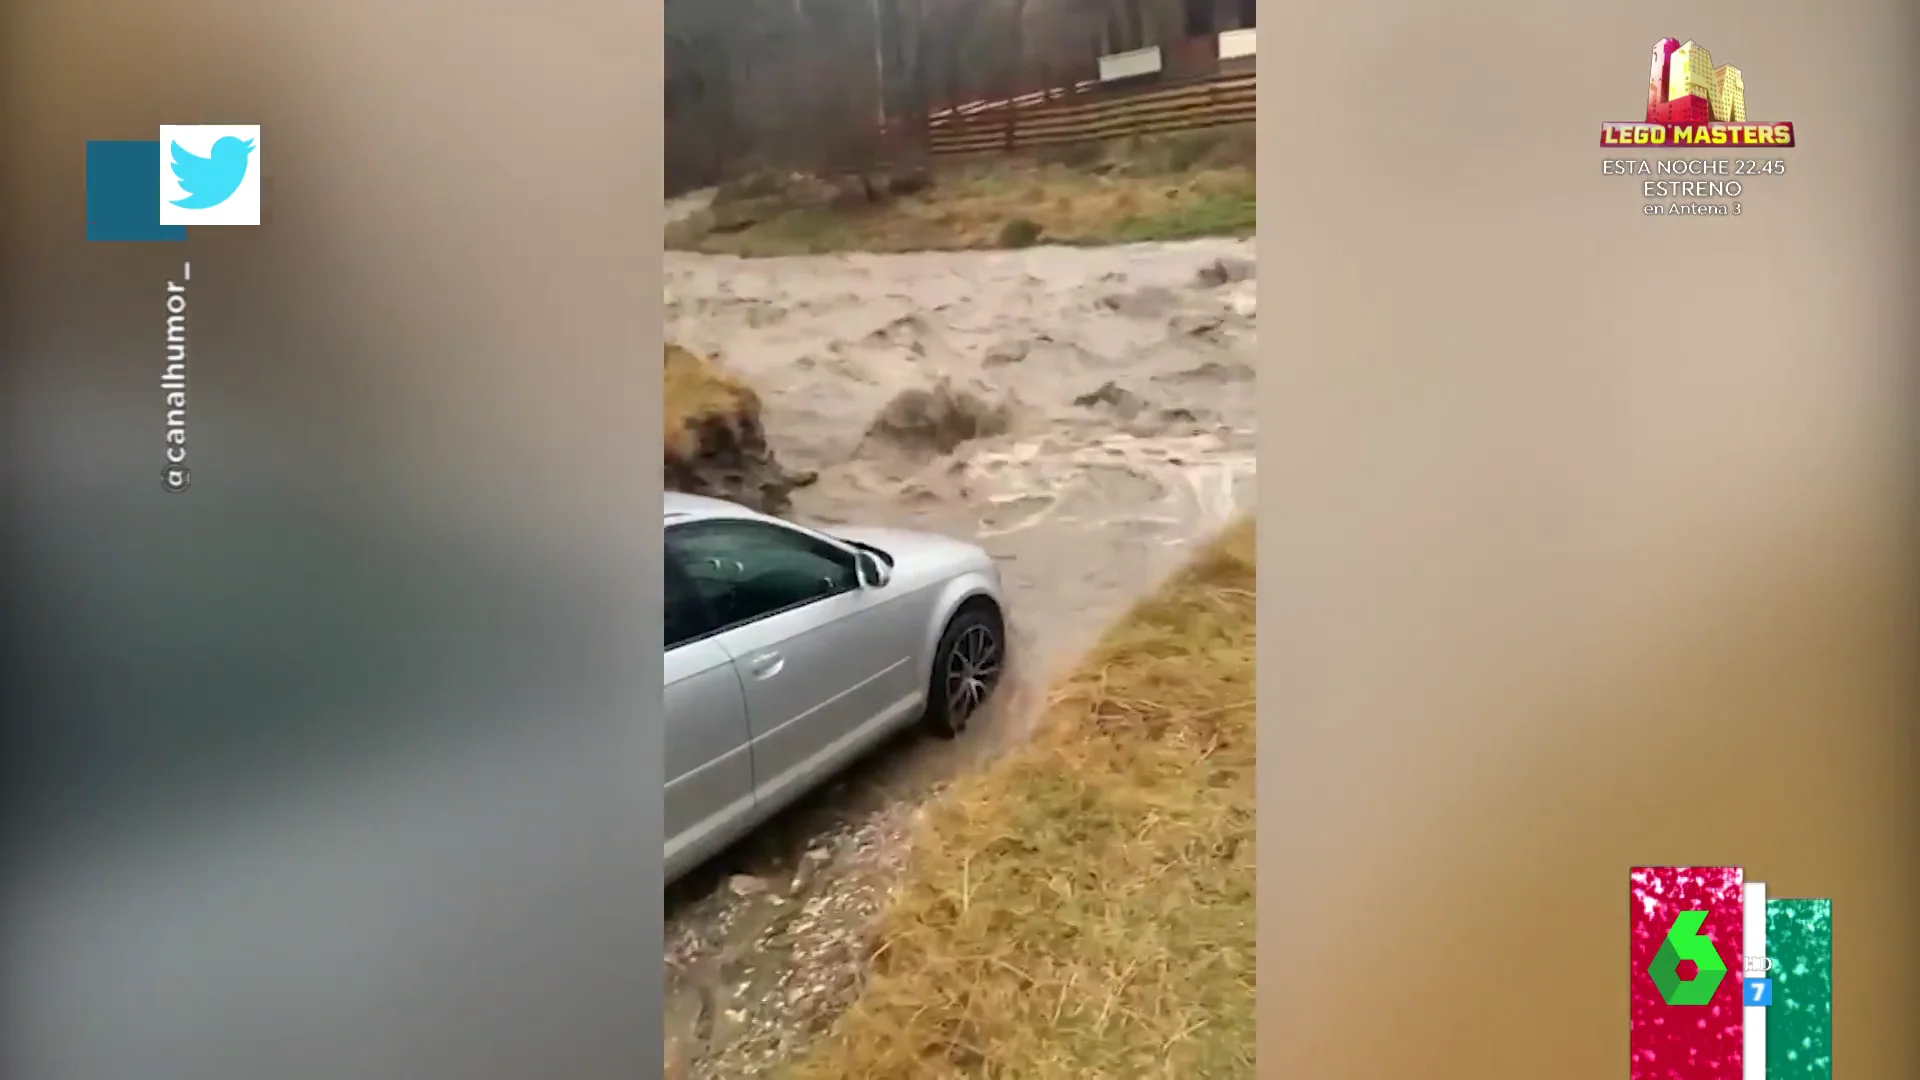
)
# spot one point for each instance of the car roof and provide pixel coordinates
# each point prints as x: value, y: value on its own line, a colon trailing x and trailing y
x: 680, y: 506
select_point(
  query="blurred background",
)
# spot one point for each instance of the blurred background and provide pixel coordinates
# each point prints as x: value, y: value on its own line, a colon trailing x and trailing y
x: 1597, y: 544
x: 338, y: 763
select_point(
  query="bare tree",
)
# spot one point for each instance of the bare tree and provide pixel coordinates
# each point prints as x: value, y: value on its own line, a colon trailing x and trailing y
x: 812, y: 83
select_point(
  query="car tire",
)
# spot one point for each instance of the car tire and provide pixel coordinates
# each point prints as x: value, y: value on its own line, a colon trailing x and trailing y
x: 967, y: 666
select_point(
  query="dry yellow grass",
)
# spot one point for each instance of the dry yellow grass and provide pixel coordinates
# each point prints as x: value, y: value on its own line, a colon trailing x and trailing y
x: 1070, y: 207
x: 695, y: 388
x: 1173, y: 187
x: 1083, y: 909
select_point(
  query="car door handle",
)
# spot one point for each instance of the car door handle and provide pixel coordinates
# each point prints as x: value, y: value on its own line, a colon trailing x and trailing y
x: 766, y: 665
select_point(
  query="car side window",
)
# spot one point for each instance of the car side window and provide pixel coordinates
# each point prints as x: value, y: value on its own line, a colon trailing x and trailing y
x: 747, y: 570
x: 687, y: 613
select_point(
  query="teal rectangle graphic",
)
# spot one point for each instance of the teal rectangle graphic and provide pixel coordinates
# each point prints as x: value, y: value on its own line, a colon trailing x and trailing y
x: 123, y: 193
x: 1800, y: 1020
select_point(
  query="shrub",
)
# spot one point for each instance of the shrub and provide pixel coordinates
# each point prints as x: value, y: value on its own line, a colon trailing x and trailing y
x: 1018, y: 233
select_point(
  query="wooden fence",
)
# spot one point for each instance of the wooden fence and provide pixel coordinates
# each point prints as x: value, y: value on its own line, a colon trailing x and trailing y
x: 1089, y: 112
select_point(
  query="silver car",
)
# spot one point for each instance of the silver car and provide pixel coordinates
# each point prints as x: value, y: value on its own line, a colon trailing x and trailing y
x: 790, y: 651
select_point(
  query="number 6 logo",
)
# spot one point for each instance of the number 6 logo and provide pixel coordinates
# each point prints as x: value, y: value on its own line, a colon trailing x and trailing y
x: 1685, y: 942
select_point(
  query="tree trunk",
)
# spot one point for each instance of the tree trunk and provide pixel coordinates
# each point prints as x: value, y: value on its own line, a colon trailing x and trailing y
x: 879, y: 65
x: 1017, y: 49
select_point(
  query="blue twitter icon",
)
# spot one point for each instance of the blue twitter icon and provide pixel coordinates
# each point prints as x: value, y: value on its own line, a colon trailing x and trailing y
x: 211, y: 180
x: 210, y: 174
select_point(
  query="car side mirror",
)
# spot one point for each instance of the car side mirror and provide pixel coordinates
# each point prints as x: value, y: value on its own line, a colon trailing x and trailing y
x: 873, y: 573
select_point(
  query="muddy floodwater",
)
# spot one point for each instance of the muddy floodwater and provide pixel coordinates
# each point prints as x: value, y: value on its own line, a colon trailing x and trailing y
x: 1085, y: 414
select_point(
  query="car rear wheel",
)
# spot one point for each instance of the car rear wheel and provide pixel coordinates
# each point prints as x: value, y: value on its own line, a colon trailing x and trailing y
x: 966, y: 668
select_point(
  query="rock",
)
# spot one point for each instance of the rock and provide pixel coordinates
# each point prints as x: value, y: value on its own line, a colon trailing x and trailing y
x: 1008, y: 353
x: 927, y: 422
x: 1151, y: 302
x: 745, y: 885
x: 1200, y: 326
x: 1212, y: 371
x: 804, y: 873
x: 1114, y: 396
x: 905, y: 330
x: 1223, y: 271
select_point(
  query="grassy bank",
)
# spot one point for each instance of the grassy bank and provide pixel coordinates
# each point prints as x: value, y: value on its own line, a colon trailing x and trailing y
x: 1083, y: 909
x: 694, y: 389
x: 1166, y: 188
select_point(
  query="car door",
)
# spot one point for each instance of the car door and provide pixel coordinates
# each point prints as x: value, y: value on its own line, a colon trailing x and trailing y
x: 821, y: 674
x: 709, y: 759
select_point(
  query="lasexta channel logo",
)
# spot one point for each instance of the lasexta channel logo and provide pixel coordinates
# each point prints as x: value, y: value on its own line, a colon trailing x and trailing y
x: 1685, y: 943
x: 1688, y: 927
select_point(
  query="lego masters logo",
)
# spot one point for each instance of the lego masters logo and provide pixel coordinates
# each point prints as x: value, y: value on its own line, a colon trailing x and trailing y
x: 1691, y: 104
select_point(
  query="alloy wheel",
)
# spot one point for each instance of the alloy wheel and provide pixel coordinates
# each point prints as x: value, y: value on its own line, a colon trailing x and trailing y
x: 973, y: 665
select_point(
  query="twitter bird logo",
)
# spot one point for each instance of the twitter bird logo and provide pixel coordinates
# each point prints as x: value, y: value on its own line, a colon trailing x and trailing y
x: 209, y: 174
x: 211, y: 180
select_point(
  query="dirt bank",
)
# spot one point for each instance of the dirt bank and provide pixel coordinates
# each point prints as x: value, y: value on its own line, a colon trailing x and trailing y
x: 1085, y: 414
x: 715, y: 443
